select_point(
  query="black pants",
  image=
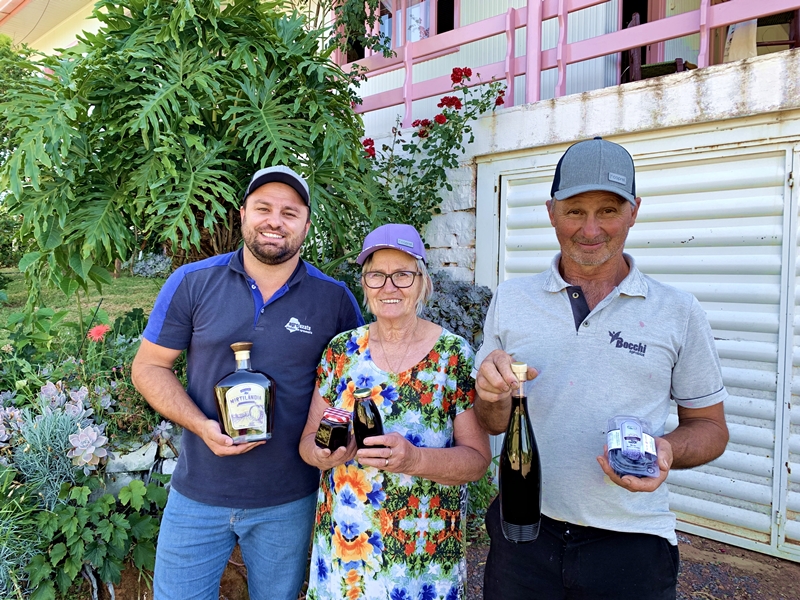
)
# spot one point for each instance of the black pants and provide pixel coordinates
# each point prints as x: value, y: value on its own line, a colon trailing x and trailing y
x: 572, y: 562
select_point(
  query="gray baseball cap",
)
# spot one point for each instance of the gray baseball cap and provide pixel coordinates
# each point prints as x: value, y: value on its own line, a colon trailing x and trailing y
x: 595, y: 165
x: 280, y: 174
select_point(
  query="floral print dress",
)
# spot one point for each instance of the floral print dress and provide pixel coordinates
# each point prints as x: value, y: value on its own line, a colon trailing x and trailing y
x: 382, y: 535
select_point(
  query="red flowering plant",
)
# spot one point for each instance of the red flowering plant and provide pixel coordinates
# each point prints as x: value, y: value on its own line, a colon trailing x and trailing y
x: 411, y: 170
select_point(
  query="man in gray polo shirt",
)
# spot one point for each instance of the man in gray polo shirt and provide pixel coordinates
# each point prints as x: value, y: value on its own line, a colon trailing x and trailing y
x: 602, y: 339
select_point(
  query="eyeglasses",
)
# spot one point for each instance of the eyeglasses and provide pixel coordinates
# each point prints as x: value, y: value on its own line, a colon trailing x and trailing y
x: 400, y: 279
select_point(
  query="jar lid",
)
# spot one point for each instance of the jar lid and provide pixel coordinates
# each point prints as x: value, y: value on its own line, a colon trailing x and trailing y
x: 336, y: 415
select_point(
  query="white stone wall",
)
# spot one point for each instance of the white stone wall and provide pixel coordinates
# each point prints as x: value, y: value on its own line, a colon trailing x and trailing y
x: 767, y: 84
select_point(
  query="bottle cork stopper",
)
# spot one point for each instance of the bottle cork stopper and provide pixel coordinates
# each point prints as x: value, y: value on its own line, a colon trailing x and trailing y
x: 241, y: 346
x: 520, y: 369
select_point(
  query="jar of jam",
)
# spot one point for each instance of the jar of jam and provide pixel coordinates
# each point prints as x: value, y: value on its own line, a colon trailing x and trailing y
x: 333, y: 431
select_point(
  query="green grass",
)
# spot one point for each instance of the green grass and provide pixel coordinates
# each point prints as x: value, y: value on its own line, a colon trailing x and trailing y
x: 122, y: 295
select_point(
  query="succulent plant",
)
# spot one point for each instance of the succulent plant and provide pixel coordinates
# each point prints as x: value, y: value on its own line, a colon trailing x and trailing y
x: 87, y: 448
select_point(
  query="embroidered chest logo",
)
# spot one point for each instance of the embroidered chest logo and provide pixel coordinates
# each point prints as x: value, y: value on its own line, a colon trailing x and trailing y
x: 295, y: 325
x: 619, y: 342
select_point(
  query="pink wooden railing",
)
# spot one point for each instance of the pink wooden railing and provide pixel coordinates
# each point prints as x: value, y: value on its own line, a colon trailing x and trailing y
x: 701, y: 21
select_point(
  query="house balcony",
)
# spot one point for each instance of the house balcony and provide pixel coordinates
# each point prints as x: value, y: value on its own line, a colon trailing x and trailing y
x: 584, y: 45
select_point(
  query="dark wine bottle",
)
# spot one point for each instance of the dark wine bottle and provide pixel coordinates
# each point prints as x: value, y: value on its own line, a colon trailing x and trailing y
x: 245, y: 400
x: 367, y: 420
x: 520, y: 470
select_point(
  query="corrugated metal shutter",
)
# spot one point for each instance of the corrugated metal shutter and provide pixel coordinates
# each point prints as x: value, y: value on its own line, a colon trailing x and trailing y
x: 719, y: 224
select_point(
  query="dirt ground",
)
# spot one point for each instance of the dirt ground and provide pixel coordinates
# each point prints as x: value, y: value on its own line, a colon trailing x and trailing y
x: 709, y: 571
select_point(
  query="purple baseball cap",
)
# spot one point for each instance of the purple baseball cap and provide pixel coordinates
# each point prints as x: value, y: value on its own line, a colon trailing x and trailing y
x: 396, y: 236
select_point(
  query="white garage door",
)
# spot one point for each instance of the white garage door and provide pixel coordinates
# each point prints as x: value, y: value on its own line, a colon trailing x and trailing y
x: 721, y: 224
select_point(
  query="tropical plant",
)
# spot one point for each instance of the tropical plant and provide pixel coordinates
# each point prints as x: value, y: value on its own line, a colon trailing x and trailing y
x: 154, y: 124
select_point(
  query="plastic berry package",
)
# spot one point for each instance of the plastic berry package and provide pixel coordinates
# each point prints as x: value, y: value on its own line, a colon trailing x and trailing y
x: 631, y: 447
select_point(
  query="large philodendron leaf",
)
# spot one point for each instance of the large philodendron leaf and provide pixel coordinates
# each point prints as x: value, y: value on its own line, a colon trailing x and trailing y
x: 262, y: 121
x: 173, y: 90
x: 202, y: 187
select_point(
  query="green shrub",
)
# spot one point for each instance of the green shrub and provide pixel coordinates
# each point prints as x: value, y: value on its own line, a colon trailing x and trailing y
x: 458, y: 306
x: 104, y: 534
x: 19, y: 539
x: 11, y: 248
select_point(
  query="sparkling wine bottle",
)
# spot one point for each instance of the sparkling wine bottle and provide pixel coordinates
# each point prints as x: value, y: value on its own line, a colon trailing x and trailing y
x: 245, y: 400
x: 367, y: 420
x: 520, y: 471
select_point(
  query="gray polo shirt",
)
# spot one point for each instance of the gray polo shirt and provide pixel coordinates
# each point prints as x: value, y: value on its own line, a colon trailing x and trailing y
x: 643, y: 345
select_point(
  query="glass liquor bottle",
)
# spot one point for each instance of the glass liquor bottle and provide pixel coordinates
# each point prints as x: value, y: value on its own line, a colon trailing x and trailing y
x: 245, y: 400
x: 367, y: 420
x: 520, y: 470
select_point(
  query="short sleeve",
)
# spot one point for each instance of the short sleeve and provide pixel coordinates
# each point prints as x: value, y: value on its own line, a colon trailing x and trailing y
x: 697, y: 374
x: 170, y: 322
x: 460, y: 372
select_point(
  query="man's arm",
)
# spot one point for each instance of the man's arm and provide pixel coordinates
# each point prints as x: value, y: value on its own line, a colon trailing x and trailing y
x: 700, y: 437
x: 152, y: 375
x: 493, y: 387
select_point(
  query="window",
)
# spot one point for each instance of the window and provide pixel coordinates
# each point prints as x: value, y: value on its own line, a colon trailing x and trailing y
x: 422, y: 19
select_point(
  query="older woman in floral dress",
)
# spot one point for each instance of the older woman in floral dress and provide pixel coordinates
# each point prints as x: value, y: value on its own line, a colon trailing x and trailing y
x: 391, y: 518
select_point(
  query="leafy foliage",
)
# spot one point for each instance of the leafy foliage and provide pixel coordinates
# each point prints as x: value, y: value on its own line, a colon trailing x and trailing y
x: 14, y: 67
x: 18, y: 536
x: 458, y: 306
x: 103, y: 533
x: 153, y: 125
x: 411, y: 172
x: 11, y: 249
x: 152, y: 264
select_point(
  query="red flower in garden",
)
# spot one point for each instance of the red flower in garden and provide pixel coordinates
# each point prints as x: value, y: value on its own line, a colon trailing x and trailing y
x: 98, y: 332
x: 451, y: 102
x: 440, y: 119
x: 467, y: 72
x: 369, y: 147
x: 457, y: 75
x: 499, y: 101
x: 423, y: 125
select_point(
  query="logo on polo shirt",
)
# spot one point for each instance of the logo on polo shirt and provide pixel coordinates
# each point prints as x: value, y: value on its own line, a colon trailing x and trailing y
x: 617, y: 339
x: 295, y: 325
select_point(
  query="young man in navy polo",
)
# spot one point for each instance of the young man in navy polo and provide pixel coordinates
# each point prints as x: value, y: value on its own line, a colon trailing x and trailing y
x: 606, y: 340
x: 259, y: 494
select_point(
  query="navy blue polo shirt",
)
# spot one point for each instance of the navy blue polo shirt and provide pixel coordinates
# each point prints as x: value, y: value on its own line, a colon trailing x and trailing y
x: 206, y: 306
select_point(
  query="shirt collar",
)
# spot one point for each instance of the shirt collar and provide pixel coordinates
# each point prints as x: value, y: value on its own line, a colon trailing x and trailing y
x: 634, y: 283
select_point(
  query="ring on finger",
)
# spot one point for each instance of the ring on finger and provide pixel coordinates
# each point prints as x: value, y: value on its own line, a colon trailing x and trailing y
x: 386, y: 462
x: 390, y: 452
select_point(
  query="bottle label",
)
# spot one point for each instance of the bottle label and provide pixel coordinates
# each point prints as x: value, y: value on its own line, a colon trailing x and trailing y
x: 246, y: 406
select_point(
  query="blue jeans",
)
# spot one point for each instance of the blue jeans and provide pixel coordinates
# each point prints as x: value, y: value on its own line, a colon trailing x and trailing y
x: 196, y: 540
